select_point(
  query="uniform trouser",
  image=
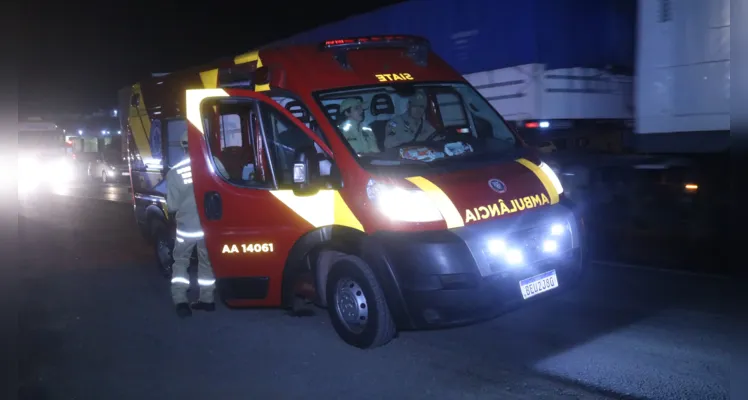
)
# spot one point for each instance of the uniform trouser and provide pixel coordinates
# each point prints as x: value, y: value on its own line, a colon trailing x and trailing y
x: 180, y: 278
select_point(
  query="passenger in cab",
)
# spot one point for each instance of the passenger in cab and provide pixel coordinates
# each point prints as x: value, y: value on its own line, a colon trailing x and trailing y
x: 410, y: 126
x: 360, y: 137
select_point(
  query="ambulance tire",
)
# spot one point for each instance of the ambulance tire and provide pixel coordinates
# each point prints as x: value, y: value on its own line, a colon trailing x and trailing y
x: 380, y: 328
x: 160, y: 237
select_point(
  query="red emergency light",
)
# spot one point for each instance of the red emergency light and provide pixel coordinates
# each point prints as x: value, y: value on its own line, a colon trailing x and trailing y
x: 537, y: 124
x: 390, y: 39
x: 417, y: 47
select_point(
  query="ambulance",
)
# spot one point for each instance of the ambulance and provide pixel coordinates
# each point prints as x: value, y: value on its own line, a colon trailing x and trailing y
x: 444, y: 230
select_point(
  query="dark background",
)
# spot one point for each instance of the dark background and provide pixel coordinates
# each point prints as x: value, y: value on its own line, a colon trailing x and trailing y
x: 77, y: 54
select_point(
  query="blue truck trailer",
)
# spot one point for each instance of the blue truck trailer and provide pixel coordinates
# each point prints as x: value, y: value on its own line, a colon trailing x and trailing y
x: 559, y: 70
x: 483, y: 35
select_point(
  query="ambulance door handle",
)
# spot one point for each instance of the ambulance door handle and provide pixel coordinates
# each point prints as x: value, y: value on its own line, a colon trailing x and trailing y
x: 213, y: 206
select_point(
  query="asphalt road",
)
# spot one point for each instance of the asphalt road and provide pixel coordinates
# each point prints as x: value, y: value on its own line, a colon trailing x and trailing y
x: 96, y: 323
x: 115, y: 192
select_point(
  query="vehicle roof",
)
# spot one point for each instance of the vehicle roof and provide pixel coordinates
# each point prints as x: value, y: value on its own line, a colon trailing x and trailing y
x: 308, y: 68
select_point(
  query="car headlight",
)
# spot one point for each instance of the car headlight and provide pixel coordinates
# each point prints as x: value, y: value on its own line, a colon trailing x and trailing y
x: 60, y: 171
x: 548, y: 171
x: 26, y: 161
x: 401, y: 204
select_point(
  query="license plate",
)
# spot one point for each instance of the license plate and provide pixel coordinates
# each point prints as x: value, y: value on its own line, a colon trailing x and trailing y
x: 538, y: 284
x: 125, y: 174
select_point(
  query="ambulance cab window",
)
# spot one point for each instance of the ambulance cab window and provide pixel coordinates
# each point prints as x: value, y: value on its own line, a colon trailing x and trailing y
x: 300, y: 112
x: 231, y: 139
x: 439, y: 124
x: 284, y: 139
x: 231, y: 131
x: 451, y: 109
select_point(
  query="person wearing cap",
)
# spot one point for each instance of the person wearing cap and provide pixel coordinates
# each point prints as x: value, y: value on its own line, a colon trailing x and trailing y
x: 360, y: 137
x: 410, y: 126
x: 181, y: 206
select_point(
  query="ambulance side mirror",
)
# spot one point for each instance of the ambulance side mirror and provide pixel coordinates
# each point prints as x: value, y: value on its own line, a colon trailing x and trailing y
x: 306, y: 176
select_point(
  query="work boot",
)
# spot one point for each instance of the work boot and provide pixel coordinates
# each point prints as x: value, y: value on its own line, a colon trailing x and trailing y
x: 203, y: 306
x: 183, y: 310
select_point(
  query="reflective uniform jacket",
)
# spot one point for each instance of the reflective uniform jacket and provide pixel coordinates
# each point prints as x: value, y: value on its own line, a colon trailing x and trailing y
x: 180, y: 199
x: 361, y: 138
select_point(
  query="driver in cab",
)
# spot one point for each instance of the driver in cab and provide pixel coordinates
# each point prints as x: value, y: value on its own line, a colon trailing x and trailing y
x: 360, y: 137
x: 410, y: 126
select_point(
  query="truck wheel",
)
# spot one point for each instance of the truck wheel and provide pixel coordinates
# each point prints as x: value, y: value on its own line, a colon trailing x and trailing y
x: 357, y: 305
x: 163, y: 244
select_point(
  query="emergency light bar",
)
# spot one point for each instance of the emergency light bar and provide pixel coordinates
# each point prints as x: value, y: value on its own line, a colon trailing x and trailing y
x: 417, y: 47
x: 537, y: 124
x: 376, y: 41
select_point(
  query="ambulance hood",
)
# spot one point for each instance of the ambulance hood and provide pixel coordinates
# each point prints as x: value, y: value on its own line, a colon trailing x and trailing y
x: 497, y: 190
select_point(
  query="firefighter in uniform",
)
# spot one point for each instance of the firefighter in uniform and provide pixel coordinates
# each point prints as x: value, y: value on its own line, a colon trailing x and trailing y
x: 410, y: 126
x: 360, y: 137
x: 180, y: 202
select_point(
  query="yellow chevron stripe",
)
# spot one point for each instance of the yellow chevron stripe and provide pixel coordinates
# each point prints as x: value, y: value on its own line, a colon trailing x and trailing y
x: 209, y: 78
x: 250, y: 57
x: 325, y: 208
x: 194, y: 98
x: 552, y: 193
x: 140, y: 124
x: 451, y: 216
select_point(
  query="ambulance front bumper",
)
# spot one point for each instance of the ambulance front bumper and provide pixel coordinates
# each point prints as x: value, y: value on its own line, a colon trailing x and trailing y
x: 474, y: 273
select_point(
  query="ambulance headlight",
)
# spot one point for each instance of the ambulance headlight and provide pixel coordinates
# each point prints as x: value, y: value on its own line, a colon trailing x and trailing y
x: 548, y: 171
x: 29, y: 168
x: 403, y: 205
x: 60, y: 171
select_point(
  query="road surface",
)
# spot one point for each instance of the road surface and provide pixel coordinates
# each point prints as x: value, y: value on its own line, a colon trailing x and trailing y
x: 115, y: 192
x: 96, y: 323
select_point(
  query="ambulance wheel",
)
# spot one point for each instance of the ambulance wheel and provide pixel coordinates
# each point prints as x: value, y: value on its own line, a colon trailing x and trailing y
x: 357, y: 305
x: 163, y: 244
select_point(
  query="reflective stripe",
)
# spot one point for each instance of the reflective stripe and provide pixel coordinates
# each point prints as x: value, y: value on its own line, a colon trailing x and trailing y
x: 182, y: 163
x: 185, y: 169
x: 195, y: 234
x: 441, y: 200
x: 206, y: 282
x: 547, y: 184
x: 194, y: 98
x: 180, y: 240
x: 179, y: 279
x: 324, y: 208
x: 188, y: 181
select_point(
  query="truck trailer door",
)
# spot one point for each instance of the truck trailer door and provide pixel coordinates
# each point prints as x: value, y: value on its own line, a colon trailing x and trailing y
x: 241, y: 144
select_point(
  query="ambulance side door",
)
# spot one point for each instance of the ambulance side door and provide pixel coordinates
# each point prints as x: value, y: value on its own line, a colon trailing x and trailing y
x: 245, y: 150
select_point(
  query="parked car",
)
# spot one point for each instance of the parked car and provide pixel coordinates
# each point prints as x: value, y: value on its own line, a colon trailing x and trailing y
x: 109, y: 168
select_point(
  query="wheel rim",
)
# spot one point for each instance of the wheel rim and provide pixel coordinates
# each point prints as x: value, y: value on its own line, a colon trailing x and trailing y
x: 351, y: 305
x: 164, y: 254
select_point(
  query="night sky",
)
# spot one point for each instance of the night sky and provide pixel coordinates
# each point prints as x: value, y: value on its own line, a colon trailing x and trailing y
x: 77, y: 54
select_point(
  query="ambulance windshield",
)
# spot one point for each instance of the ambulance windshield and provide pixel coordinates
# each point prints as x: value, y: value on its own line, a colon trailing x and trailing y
x: 397, y: 124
